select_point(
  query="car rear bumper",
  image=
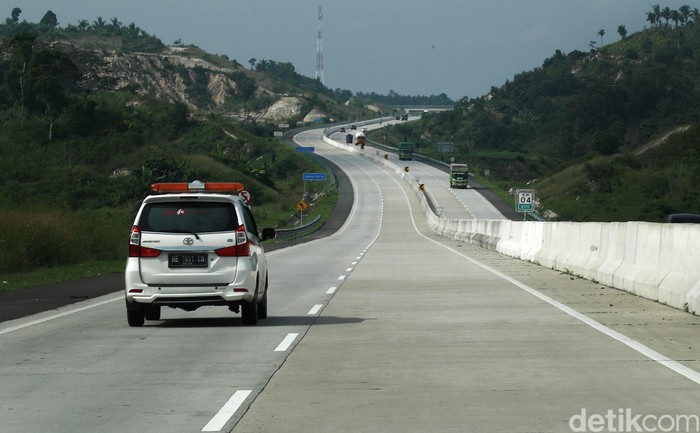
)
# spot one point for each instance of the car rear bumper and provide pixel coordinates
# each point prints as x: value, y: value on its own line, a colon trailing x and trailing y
x: 241, y: 289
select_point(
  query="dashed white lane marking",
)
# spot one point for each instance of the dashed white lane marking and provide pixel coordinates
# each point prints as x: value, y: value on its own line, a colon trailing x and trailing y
x: 227, y: 411
x: 315, y: 309
x: 342, y: 277
x: 288, y: 340
x: 331, y: 290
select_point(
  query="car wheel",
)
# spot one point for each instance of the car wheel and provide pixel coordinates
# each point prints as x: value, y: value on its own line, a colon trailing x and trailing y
x: 262, y: 305
x: 153, y: 312
x: 249, y: 310
x: 135, y: 315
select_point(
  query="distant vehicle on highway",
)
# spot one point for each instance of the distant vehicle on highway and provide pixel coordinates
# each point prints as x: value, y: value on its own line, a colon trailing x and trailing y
x: 459, y: 175
x: 360, y: 140
x: 405, y: 151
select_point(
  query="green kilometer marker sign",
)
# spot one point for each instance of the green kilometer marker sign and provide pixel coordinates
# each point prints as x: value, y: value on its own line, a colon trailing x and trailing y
x: 525, y: 200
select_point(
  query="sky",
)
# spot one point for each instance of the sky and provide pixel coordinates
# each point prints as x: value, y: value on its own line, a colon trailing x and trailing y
x: 412, y: 47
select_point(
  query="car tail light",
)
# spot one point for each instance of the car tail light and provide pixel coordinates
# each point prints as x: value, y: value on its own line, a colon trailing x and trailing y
x: 135, y: 248
x: 241, y: 247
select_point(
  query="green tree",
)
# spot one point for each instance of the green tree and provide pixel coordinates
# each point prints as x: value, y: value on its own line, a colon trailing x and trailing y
x: 601, y: 32
x: 675, y: 17
x: 666, y: 14
x: 20, y: 45
x: 115, y: 24
x: 15, y: 14
x: 39, y: 78
x: 656, y: 10
x: 684, y: 14
x: 652, y: 18
x: 622, y: 31
x: 99, y: 24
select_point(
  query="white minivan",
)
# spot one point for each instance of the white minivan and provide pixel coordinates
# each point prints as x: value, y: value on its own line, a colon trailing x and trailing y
x: 196, y: 244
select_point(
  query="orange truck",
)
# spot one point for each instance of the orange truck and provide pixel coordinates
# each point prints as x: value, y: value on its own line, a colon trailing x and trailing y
x: 360, y: 140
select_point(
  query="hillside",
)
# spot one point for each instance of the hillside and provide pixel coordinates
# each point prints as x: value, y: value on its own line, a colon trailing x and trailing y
x: 574, y: 128
x: 95, y: 112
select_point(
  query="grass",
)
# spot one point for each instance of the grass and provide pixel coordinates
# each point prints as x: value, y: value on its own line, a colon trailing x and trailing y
x: 39, y: 276
x: 59, y: 274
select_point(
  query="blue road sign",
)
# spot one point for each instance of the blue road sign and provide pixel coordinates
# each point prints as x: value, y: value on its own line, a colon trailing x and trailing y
x: 309, y: 149
x: 314, y: 176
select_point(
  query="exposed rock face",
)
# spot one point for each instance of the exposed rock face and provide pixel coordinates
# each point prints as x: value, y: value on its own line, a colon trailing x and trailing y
x: 285, y: 108
x: 196, y: 82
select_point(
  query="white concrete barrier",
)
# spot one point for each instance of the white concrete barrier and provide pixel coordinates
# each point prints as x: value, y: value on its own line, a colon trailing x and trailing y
x: 655, y: 260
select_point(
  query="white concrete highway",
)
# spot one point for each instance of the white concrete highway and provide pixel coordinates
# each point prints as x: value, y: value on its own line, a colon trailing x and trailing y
x: 381, y: 327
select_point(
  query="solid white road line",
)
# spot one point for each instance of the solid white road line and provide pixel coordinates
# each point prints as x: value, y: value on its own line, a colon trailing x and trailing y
x: 72, y: 310
x: 679, y: 368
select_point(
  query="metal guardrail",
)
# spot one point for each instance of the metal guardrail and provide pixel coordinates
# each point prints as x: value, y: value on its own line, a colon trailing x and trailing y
x: 296, y: 231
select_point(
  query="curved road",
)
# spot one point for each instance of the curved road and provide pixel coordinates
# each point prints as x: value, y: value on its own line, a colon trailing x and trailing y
x: 381, y: 326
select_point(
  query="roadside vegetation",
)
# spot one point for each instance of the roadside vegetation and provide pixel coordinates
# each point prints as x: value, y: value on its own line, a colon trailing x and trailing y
x: 75, y: 162
x: 610, y: 134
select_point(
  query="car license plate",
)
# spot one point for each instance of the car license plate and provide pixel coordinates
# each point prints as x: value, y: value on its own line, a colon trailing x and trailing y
x: 187, y: 260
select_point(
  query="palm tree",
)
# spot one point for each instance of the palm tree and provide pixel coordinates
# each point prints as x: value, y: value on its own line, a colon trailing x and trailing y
x: 685, y: 13
x: 116, y: 24
x: 656, y: 10
x: 695, y: 14
x: 666, y: 14
x: 133, y: 30
x: 675, y: 17
x: 601, y: 32
x: 651, y: 17
x: 99, y: 24
x: 83, y: 25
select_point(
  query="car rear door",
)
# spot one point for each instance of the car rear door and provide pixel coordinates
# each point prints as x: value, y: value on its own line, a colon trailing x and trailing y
x: 187, y: 232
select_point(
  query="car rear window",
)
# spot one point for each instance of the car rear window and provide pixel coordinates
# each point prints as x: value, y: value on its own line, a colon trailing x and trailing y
x: 195, y: 217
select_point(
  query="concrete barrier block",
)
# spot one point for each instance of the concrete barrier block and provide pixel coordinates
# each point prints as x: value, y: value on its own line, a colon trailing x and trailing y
x: 680, y: 253
x: 611, y: 252
x: 533, y: 238
x: 574, y: 249
x: 546, y: 256
x: 639, y: 272
x: 692, y: 299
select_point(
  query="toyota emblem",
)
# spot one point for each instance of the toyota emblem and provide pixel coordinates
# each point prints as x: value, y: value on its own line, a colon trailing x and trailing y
x: 188, y: 241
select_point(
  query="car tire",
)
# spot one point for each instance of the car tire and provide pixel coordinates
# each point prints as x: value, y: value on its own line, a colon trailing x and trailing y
x: 152, y: 312
x: 262, y: 305
x: 249, y: 310
x: 135, y: 315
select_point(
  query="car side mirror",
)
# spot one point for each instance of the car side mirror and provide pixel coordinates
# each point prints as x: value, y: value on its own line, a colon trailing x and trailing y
x: 268, y: 233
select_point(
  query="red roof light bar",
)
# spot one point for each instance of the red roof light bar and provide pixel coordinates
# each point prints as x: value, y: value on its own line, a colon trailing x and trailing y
x: 197, y: 186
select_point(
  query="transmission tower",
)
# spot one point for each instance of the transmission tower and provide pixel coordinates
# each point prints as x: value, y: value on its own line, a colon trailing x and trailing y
x: 319, y: 49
